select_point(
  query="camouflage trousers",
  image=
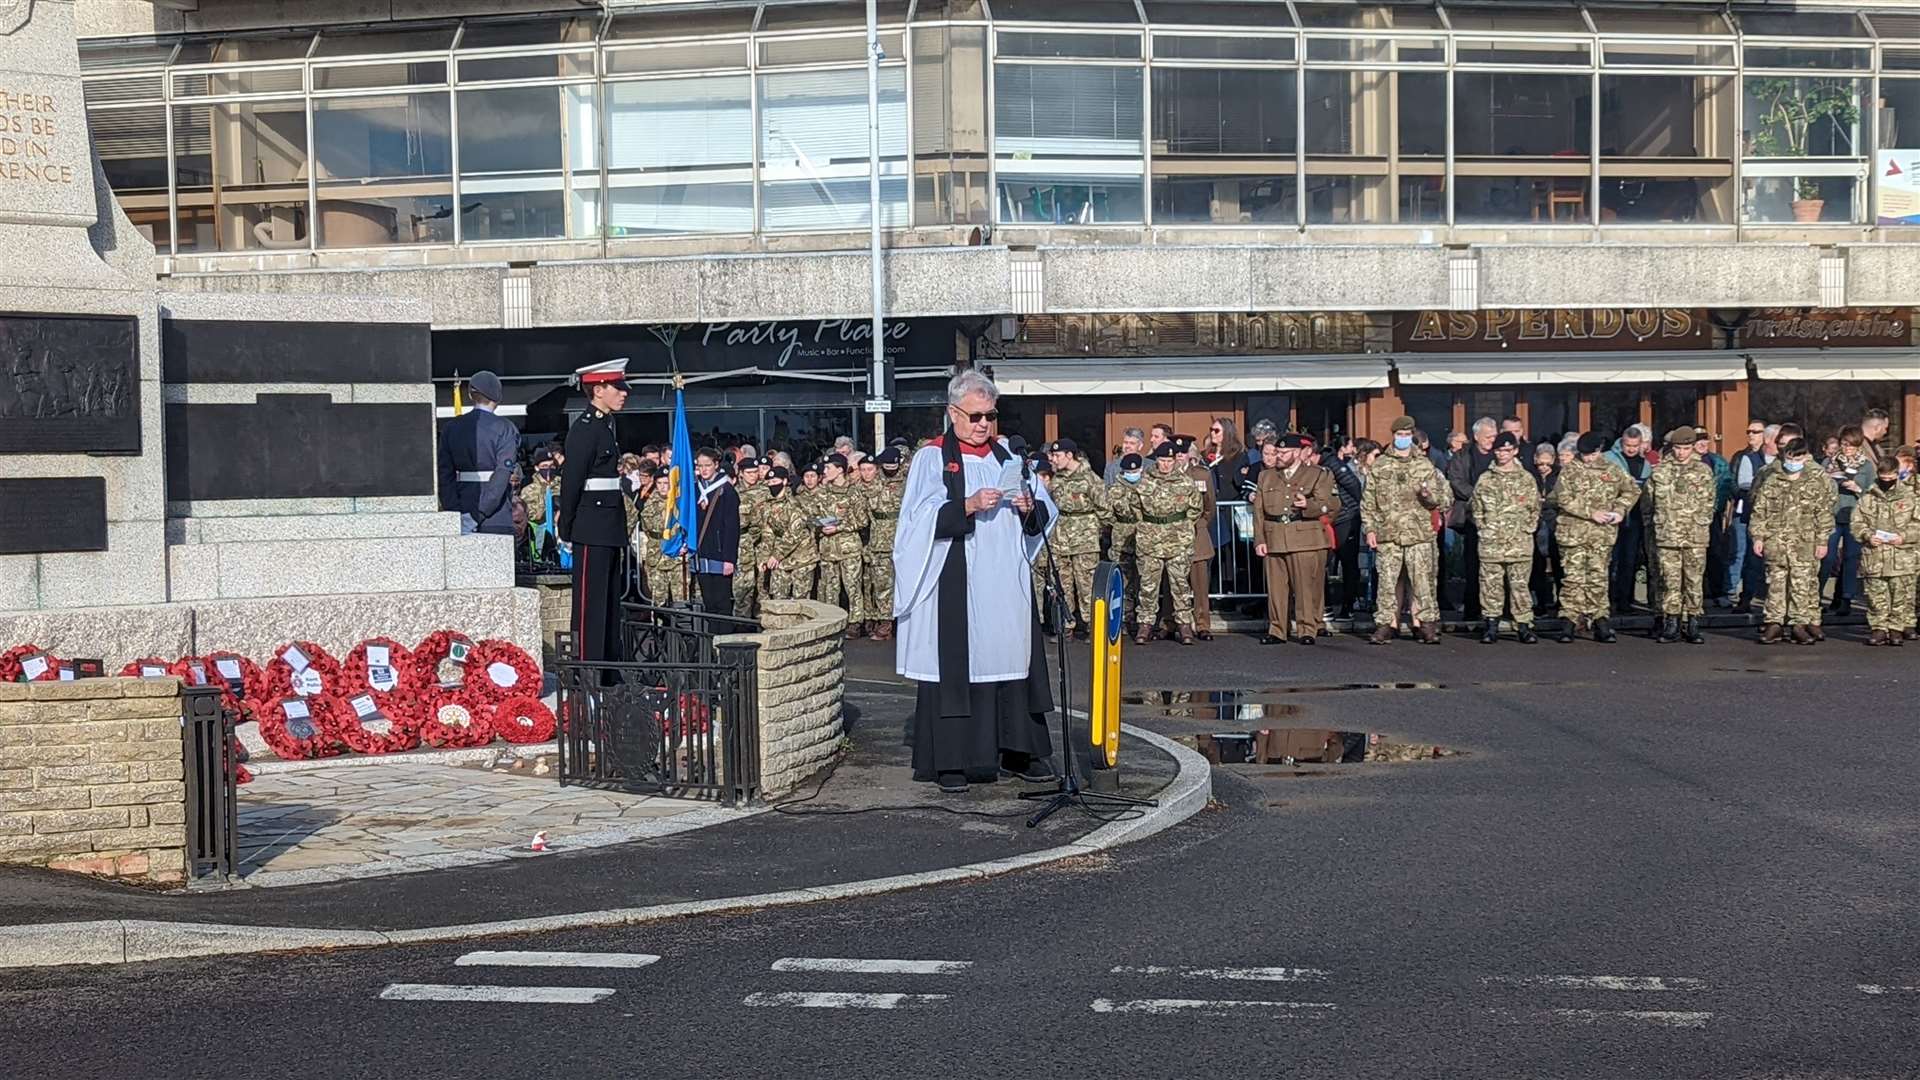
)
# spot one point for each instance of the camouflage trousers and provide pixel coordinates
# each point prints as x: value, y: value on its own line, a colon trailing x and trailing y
x: 1421, y: 563
x: 1076, y: 577
x: 791, y: 583
x: 1583, y: 592
x: 1683, y: 572
x: 1793, y: 588
x: 1158, y: 569
x: 838, y: 580
x: 878, y: 569
x: 1504, y: 585
x: 746, y: 585
x: 665, y: 585
x: 1890, y: 601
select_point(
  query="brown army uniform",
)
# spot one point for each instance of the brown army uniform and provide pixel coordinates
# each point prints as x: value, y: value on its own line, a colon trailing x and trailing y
x: 1296, y: 541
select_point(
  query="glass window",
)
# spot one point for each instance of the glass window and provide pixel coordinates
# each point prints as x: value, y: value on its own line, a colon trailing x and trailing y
x: 1667, y: 53
x: 373, y: 76
x: 240, y: 171
x: 384, y: 170
x: 1800, y: 24
x: 132, y: 146
x: 1900, y: 58
x: 123, y: 91
x: 813, y: 149
x: 828, y: 50
x: 1195, y: 47
x: 384, y: 42
x: 286, y: 80
x: 690, y: 56
x: 950, y: 126
x: 1045, y: 46
x: 1536, y: 200
x: 1068, y: 143
x: 519, y: 147
x: 1522, y: 53
x: 1355, y: 176
x: 1211, y: 130
x: 1665, y: 200
x: 119, y: 55
x: 1804, y: 198
x: 683, y: 23
x: 1092, y: 11
x: 1837, y: 59
x: 830, y: 16
x: 1789, y: 116
x: 1666, y: 116
x: 1899, y: 114
x: 1522, y: 115
x: 1370, y: 16
x: 680, y: 156
x: 1377, y: 50
x: 565, y: 65
x: 243, y: 50
x: 505, y: 33
x: 1658, y: 21
x: 1182, y: 198
x: 1266, y: 16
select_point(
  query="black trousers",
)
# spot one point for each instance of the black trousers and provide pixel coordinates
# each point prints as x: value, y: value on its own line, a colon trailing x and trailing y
x: 1347, y: 552
x: 1469, y: 571
x: 599, y: 578
x: 716, y: 593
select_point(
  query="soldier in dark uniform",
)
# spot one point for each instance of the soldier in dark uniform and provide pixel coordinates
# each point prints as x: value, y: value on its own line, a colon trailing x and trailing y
x: 477, y: 454
x: 593, y: 517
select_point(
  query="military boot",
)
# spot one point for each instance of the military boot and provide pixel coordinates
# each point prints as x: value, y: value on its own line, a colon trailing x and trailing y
x: 1490, y: 634
x: 856, y: 631
x: 883, y: 630
x: 1692, y: 631
x: 1772, y: 634
x: 1145, y: 635
x: 1895, y: 637
x: 1382, y: 634
x: 1802, y: 635
x: 1877, y: 637
x: 1669, y: 629
x: 1818, y: 634
x: 1527, y: 636
x: 1184, y: 634
x: 1429, y: 634
x: 1603, y: 631
x: 1568, y: 626
x: 1910, y: 634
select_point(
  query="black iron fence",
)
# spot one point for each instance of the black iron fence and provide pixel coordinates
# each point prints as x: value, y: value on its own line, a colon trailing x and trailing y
x: 209, y: 761
x: 660, y: 723
x: 675, y: 635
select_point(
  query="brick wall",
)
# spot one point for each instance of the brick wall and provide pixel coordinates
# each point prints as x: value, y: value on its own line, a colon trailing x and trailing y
x: 802, y: 669
x: 90, y: 777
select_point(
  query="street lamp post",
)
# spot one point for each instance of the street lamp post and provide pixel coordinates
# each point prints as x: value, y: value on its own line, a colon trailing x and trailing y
x: 877, y: 368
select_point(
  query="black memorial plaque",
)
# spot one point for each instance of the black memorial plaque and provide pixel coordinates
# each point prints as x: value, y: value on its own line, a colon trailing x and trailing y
x: 51, y: 514
x: 69, y: 384
x: 299, y: 446
x: 229, y: 351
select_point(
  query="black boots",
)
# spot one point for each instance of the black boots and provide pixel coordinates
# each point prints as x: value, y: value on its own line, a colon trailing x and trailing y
x: 1691, y: 631
x: 1527, y: 636
x: 1491, y: 633
x: 1667, y: 629
x: 1603, y: 631
x: 1568, y: 627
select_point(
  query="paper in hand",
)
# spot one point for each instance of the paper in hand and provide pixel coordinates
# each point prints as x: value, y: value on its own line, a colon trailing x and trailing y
x: 1012, y: 483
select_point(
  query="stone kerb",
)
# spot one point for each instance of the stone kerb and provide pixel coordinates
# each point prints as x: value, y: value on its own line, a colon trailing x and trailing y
x: 91, y: 777
x: 802, y: 670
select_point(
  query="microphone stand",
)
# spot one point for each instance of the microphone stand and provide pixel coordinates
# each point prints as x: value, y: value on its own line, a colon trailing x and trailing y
x: 1069, y: 791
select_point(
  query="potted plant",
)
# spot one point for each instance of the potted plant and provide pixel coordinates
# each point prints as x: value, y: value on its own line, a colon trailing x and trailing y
x: 1790, y: 106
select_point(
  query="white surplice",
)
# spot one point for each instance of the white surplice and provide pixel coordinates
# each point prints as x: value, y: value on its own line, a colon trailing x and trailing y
x: 999, y: 557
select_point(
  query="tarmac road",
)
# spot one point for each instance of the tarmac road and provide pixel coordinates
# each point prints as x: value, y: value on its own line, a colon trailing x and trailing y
x: 1648, y: 861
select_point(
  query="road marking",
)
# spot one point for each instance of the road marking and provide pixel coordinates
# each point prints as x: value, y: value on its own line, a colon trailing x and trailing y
x: 817, y: 999
x: 1188, y: 1006
x: 1876, y: 988
x: 509, y: 958
x: 1632, y: 983
x: 1255, y: 974
x: 514, y: 995
x: 844, y: 966
x: 1655, y: 1018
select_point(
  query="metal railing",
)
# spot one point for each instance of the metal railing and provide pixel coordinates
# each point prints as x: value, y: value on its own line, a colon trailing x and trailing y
x: 209, y: 765
x: 1236, y: 572
x: 675, y: 635
x: 663, y: 726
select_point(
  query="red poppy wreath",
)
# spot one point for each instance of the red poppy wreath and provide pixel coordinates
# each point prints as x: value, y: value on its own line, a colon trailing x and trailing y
x: 523, y: 718
x: 382, y: 669
x: 297, y: 728
x: 302, y: 669
x: 454, y: 719
x: 500, y: 670
x: 30, y: 663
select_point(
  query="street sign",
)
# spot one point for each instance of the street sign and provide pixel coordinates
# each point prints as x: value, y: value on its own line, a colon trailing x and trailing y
x: 880, y: 405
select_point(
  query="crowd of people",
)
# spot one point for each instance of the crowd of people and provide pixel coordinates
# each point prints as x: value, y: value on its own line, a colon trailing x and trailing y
x: 1492, y: 526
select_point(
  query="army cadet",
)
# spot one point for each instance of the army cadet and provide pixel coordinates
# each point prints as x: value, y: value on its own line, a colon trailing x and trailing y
x: 1792, y: 518
x: 786, y: 542
x: 592, y: 518
x: 840, y: 513
x: 1404, y: 493
x: 1505, y: 511
x: 1886, y: 522
x: 752, y: 489
x: 666, y: 584
x: 883, y: 513
x: 1291, y: 496
x: 1199, y: 571
x: 1123, y: 506
x: 541, y: 489
x: 1681, y: 495
x: 1082, y: 503
x: 1590, y: 501
x: 1163, y: 541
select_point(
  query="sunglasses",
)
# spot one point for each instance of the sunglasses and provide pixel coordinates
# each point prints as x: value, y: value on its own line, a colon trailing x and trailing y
x: 977, y: 417
x: 1756, y: 431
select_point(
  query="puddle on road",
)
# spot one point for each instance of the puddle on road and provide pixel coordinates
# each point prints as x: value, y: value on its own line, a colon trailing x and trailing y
x: 1302, y: 746
x: 1265, y: 695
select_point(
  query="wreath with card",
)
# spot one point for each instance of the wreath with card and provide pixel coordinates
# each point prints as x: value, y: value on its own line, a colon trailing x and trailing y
x: 455, y: 718
x: 31, y: 663
x: 381, y: 688
x: 523, y: 718
x: 150, y: 667
x: 245, y: 680
x: 300, y: 728
x: 499, y: 671
x: 441, y: 658
x: 302, y: 669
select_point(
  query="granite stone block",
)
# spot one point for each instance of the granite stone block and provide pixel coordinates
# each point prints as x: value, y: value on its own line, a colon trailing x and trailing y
x: 479, y: 561
x: 320, y: 567
x: 133, y: 569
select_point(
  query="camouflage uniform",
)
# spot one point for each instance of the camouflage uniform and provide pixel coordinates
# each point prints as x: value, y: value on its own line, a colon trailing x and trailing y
x: 746, y: 578
x: 840, y: 552
x: 787, y: 533
x: 665, y: 583
x: 534, y: 498
x: 1793, y: 515
x: 1586, y: 546
x: 1400, y: 518
x: 1082, y: 500
x: 1123, y: 508
x: 1889, y: 575
x: 1506, y: 510
x: 1681, y: 498
x: 1163, y: 540
x: 883, y: 513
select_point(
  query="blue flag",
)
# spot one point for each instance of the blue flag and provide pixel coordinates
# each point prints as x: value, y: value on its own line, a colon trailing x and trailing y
x: 683, y: 500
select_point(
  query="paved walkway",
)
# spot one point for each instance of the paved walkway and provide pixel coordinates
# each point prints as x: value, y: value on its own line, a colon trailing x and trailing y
x: 330, y: 824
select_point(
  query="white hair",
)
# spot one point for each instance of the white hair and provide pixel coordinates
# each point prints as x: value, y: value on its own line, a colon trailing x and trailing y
x: 1261, y: 427
x: 1570, y: 444
x: 1134, y: 433
x: 1639, y: 431
x: 1485, y: 423
x: 970, y: 382
x: 1772, y: 430
x: 1548, y: 448
x: 843, y: 444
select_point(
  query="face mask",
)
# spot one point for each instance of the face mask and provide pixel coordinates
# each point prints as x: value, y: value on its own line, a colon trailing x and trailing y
x: 1793, y: 465
x: 1130, y: 477
x: 1403, y: 442
x: 1887, y: 482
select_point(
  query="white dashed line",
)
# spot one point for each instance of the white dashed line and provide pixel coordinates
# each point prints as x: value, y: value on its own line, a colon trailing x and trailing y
x: 845, y: 966
x: 1656, y: 1018
x: 1876, y: 989
x: 1189, y: 1006
x: 1253, y: 974
x: 491, y: 958
x: 1631, y: 983
x: 512, y: 995
x: 815, y: 999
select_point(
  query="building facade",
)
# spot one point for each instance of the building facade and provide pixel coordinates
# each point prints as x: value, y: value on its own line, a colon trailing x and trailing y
x: 1321, y: 213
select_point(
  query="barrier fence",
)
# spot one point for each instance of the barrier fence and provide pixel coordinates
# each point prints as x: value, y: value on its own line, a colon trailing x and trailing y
x: 209, y: 765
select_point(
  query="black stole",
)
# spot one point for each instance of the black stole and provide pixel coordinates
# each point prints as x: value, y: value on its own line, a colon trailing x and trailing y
x: 955, y: 524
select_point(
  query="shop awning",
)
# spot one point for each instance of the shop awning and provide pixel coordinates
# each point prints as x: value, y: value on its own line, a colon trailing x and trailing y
x: 1528, y: 369
x: 1188, y: 375
x: 1837, y: 365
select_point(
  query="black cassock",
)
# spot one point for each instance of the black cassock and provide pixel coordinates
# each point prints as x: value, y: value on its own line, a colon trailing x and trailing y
x: 960, y: 725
